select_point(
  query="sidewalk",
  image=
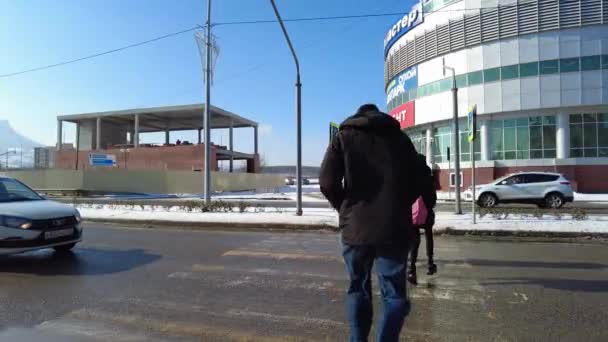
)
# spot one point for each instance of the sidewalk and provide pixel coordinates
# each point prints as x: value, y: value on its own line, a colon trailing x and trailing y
x: 325, y: 219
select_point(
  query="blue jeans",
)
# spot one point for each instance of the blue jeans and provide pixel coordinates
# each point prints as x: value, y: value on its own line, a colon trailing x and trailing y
x: 391, y: 267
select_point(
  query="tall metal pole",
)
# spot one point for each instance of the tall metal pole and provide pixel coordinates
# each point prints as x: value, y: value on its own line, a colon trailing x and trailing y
x: 298, y: 114
x: 207, y: 121
x: 455, y: 138
x: 474, y: 203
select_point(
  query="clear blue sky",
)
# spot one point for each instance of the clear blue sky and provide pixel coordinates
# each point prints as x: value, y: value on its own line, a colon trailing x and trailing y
x: 342, y: 64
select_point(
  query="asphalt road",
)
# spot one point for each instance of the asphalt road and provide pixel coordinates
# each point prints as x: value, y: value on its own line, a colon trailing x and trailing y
x: 172, y: 285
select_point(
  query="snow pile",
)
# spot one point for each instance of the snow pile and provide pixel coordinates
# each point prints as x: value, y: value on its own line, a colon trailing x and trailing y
x: 311, y: 217
x: 326, y: 217
x: 591, y: 197
x: 523, y: 223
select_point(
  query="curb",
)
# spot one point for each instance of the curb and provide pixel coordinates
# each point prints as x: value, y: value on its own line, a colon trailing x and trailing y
x: 519, y: 233
x: 215, y: 225
x: 447, y: 231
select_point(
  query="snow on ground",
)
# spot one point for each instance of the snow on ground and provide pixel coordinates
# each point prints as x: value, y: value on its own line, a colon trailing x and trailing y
x: 578, y: 197
x: 327, y: 217
x: 519, y: 223
x: 591, y: 197
x: 312, y: 217
x: 310, y: 193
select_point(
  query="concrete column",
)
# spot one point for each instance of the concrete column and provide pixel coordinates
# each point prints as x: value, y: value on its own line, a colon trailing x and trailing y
x: 136, y: 133
x: 200, y: 136
x: 167, y: 137
x: 562, y: 139
x: 255, y: 140
x: 429, y: 146
x: 484, y: 132
x: 231, y: 146
x: 77, y: 143
x: 98, y: 135
x: 59, y: 135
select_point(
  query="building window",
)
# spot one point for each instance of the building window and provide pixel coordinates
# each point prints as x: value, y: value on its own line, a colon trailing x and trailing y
x: 509, y: 72
x: 418, y: 138
x: 461, y: 81
x: 445, y: 84
x: 528, y: 69
x: 591, y: 63
x: 604, y: 61
x: 523, y: 138
x: 475, y: 77
x: 491, y: 75
x: 569, y: 64
x: 443, y: 139
x: 588, y: 135
x: 549, y: 67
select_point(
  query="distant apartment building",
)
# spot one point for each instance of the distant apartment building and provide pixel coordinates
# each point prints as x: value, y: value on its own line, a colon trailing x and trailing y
x: 44, y: 157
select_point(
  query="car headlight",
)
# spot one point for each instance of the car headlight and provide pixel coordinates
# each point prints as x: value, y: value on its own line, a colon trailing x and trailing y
x: 15, y: 222
x: 77, y: 216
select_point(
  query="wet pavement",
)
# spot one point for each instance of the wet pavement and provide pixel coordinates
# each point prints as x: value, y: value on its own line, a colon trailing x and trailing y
x: 179, y: 285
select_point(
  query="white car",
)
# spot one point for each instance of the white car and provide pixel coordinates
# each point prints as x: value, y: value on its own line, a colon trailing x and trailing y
x: 30, y: 222
x: 547, y: 190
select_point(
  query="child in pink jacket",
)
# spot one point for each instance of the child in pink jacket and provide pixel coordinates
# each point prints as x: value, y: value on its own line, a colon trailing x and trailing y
x: 423, y: 217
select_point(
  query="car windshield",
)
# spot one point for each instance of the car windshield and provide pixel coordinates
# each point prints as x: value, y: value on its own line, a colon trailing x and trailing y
x: 502, y: 178
x: 13, y: 191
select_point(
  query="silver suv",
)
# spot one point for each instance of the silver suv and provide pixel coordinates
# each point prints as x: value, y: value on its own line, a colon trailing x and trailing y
x: 547, y: 190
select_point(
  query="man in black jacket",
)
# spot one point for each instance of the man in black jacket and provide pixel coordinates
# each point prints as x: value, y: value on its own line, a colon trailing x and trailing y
x: 369, y: 176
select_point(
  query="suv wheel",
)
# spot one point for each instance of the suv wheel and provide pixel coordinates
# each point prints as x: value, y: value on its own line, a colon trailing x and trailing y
x: 554, y: 200
x: 488, y: 200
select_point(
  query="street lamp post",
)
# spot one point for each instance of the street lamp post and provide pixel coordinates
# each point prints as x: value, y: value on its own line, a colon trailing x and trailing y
x: 455, y: 137
x: 298, y: 113
x: 207, y: 120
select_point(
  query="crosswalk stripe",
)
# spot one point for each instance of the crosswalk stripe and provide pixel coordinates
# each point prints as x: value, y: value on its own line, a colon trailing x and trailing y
x: 71, y: 328
x: 280, y: 256
x: 105, y: 327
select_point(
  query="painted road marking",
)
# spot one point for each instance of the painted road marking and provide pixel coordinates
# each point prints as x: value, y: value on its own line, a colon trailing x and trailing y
x: 303, y: 321
x: 299, y: 321
x: 264, y: 271
x: 109, y: 326
x: 69, y: 327
x: 260, y: 281
x: 280, y: 256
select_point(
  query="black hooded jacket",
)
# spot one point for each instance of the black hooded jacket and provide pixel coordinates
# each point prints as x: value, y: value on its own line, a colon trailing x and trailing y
x: 369, y: 175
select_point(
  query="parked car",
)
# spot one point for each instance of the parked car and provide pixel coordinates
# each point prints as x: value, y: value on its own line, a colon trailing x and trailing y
x: 293, y: 181
x: 29, y: 222
x: 547, y: 190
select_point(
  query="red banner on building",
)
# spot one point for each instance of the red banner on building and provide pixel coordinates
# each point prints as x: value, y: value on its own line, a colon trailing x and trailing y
x: 405, y: 114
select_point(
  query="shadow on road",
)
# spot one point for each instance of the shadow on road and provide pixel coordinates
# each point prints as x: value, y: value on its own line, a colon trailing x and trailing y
x: 576, y: 285
x: 83, y: 261
x: 529, y: 264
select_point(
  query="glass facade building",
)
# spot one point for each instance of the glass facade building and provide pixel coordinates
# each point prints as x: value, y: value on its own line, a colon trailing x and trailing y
x: 537, y: 71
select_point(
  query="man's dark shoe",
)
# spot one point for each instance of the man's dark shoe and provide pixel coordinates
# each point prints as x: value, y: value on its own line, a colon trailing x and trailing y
x: 432, y: 269
x: 411, y: 276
